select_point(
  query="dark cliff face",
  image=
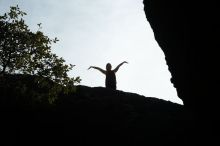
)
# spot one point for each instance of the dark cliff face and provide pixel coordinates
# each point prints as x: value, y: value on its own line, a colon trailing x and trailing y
x: 187, y: 33
x: 88, y: 116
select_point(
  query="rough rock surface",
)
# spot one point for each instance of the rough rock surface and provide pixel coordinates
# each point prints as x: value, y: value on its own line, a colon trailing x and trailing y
x: 89, y: 116
x: 187, y: 33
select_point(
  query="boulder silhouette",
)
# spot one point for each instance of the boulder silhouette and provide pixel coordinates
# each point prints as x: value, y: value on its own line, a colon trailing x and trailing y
x: 97, y: 116
x: 186, y: 32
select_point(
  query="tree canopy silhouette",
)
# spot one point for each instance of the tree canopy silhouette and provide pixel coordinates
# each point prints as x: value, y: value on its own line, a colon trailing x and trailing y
x: 23, y: 51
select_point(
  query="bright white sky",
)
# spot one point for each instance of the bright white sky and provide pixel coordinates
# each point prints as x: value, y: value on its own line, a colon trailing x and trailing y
x: 95, y: 32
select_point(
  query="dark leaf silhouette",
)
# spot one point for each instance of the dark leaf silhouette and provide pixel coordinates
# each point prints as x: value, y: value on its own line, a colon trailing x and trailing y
x: 25, y: 52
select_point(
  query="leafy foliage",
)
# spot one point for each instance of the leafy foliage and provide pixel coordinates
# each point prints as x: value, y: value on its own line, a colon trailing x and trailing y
x: 25, y: 52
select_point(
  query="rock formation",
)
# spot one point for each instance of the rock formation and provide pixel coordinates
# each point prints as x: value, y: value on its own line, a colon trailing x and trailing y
x: 88, y: 116
x: 187, y: 33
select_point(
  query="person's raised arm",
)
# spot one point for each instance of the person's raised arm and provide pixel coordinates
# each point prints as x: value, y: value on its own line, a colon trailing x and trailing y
x: 116, y: 69
x: 101, y: 70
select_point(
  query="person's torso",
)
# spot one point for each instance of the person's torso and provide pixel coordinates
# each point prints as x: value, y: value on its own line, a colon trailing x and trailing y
x: 110, y: 78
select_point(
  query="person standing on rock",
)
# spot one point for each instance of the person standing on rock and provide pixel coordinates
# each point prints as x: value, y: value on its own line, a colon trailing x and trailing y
x: 110, y: 80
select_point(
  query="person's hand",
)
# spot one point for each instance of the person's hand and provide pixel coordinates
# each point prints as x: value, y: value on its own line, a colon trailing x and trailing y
x: 90, y: 67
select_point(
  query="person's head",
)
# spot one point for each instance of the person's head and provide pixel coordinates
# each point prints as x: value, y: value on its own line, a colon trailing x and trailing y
x: 108, y: 67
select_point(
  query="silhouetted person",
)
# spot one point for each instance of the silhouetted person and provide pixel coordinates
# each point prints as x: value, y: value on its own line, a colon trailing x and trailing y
x: 110, y: 80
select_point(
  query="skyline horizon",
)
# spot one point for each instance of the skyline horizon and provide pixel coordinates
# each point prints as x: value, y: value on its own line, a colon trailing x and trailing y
x: 98, y: 32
